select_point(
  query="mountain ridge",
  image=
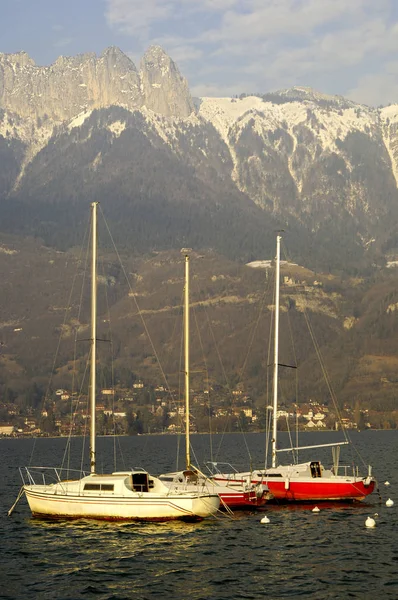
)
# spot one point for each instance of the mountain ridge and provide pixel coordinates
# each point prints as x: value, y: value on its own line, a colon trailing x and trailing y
x: 321, y: 166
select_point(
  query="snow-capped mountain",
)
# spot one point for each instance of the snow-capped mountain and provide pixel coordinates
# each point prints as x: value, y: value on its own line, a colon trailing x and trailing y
x: 223, y: 173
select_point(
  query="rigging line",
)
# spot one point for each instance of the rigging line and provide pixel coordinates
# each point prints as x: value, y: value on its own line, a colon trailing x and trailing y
x: 86, y: 245
x: 88, y: 236
x: 290, y: 434
x: 217, y: 353
x: 177, y: 329
x: 87, y: 417
x: 226, y: 380
x: 207, y: 378
x: 227, y: 384
x: 179, y: 403
x: 326, y: 377
x: 72, y: 423
x: 295, y: 454
x: 324, y: 372
x: 133, y: 295
x: 221, y: 364
x: 253, y: 333
x: 178, y: 309
x: 354, y: 448
x: 198, y: 290
x: 268, y: 414
x: 108, y: 313
x: 67, y: 311
x: 63, y: 326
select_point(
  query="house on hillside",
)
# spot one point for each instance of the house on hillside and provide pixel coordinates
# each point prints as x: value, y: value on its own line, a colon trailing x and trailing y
x: 7, y: 430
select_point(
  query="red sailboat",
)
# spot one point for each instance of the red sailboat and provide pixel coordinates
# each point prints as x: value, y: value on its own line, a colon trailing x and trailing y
x: 305, y: 482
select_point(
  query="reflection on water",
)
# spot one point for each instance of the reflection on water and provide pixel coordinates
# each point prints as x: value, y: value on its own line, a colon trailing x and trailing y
x: 299, y: 554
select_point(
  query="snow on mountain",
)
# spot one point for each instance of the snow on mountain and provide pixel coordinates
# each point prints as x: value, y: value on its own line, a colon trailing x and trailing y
x: 298, y: 154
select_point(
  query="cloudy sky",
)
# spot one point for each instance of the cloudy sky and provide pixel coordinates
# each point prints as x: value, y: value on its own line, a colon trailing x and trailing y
x: 226, y: 47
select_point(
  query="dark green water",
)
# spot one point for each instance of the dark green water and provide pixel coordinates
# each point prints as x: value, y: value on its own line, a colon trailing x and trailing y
x: 299, y: 554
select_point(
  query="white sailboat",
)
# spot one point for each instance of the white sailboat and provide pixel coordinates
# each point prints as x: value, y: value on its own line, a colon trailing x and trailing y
x: 235, y: 495
x: 308, y: 481
x: 122, y: 495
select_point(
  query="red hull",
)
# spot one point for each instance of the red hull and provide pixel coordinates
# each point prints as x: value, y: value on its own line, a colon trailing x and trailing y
x: 313, y: 489
x: 317, y: 491
x: 243, y: 501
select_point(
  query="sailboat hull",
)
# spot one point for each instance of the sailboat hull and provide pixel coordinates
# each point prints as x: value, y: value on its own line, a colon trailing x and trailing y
x: 236, y: 496
x: 151, y: 508
x: 297, y: 486
x: 135, y: 496
x: 142, y: 508
x: 307, y: 491
x: 240, y: 501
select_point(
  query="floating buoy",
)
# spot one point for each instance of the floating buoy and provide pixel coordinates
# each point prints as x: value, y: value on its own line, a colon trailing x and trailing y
x: 316, y: 509
x: 370, y: 522
x: 386, y: 483
x: 390, y: 502
x: 265, y: 520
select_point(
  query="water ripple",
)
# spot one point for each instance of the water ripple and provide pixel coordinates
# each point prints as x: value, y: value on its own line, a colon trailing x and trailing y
x: 299, y: 554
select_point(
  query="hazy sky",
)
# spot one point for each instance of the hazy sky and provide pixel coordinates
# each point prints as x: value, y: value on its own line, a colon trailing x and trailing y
x: 226, y: 47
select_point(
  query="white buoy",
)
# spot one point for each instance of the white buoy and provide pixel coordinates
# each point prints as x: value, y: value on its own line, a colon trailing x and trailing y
x: 265, y: 520
x: 370, y: 522
x: 316, y: 509
x: 386, y: 483
x: 390, y: 502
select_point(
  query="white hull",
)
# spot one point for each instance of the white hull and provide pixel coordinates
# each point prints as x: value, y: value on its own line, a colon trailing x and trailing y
x: 72, y: 499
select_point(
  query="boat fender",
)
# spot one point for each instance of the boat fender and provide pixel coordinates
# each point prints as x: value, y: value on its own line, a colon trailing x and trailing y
x: 367, y: 481
x: 287, y: 483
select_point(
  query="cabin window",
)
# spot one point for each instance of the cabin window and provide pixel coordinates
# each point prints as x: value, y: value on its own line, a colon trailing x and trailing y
x: 98, y: 487
x: 107, y: 487
x: 91, y: 487
x: 139, y: 482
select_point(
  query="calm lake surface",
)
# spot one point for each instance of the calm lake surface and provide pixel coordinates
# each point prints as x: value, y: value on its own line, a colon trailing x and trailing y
x: 299, y: 554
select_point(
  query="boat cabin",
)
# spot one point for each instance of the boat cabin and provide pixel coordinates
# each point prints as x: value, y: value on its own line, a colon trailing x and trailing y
x: 141, y: 482
x: 316, y: 469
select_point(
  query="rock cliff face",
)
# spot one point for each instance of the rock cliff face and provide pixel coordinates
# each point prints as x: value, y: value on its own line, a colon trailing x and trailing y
x: 164, y: 90
x: 77, y: 84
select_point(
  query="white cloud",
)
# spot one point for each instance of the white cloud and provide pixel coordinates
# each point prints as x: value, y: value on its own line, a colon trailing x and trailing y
x: 377, y: 88
x: 136, y: 17
x: 63, y: 42
x: 262, y: 45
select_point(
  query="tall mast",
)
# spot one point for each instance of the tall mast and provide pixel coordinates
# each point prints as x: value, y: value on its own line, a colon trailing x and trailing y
x: 276, y: 341
x: 186, y: 352
x: 93, y: 334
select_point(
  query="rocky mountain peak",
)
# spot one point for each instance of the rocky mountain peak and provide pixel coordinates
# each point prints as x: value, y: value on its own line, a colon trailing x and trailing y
x: 18, y: 60
x: 114, y: 58
x: 80, y: 83
x: 309, y: 95
x: 163, y: 87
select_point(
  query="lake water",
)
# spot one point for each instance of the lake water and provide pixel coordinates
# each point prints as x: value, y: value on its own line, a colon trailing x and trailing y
x: 299, y: 554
